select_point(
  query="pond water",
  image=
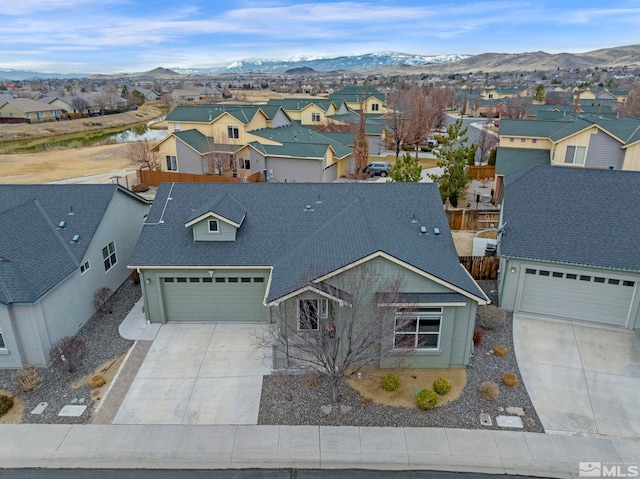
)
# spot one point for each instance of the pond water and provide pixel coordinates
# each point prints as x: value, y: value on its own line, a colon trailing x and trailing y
x: 102, y: 137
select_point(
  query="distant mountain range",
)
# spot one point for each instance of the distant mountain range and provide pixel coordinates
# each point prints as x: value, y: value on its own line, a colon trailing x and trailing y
x: 383, y: 62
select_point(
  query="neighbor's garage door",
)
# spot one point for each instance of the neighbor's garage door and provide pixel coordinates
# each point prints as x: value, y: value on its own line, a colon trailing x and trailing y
x: 225, y: 297
x: 576, y: 295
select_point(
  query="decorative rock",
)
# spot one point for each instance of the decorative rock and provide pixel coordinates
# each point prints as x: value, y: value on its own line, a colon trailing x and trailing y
x: 509, y: 421
x: 72, y: 411
x: 344, y: 409
x: 500, y: 409
x: 326, y: 410
x: 39, y: 409
x: 485, y: 419
x: 74, y: 401
x: 81, y: 401
x: 515, y: 411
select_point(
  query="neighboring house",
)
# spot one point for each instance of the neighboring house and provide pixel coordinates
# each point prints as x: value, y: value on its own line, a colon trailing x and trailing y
x: 66, y: 103
x: 34, y: 111
x: 296, y: 153
x: 257, y: 252
x: 195, y: 94
x: 357, y: 97
x: 149, y: 93
x: 569, y: 247
x: 59, y: 244
x: 307, y: 111
x: 502, y: 92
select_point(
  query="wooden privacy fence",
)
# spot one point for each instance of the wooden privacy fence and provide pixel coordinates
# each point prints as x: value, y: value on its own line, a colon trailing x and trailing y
x: 481, y: 172
x: 472, y: 220
x: 481, y: 267
x: 154, y: 178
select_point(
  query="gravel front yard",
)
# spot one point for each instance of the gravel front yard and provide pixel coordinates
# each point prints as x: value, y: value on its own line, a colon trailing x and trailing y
x: 103, y: 344
x: 296, y: 399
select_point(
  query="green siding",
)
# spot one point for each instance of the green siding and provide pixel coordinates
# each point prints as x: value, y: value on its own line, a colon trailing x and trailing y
x: 226, y: 232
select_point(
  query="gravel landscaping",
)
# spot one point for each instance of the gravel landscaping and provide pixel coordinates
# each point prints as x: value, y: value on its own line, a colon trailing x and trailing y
x: 297, y: 399
x: 103, y: 342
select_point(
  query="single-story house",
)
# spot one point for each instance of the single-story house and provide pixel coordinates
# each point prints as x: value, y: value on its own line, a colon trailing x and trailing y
x: 34, y: 111
x: 59, y: 245
x: 569, y: 247
x: 263, y: 252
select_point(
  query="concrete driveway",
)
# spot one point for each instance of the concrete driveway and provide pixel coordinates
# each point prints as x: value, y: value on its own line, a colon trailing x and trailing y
x: 198, y: 374
x: 581, y: 378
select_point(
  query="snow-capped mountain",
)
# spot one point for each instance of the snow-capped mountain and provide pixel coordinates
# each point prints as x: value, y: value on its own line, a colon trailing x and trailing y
x: 324, y: 64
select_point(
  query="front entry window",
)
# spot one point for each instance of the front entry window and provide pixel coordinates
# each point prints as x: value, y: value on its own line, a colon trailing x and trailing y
x: 417, y: 328
x: 309, y: 313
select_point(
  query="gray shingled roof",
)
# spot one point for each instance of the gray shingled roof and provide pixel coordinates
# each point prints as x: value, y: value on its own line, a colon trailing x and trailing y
x: 37, y: 254
x: 573, y: 215
x: 351, y: 222
x: 510, y: 160
x: 225, y: 206
x: 300, y: 141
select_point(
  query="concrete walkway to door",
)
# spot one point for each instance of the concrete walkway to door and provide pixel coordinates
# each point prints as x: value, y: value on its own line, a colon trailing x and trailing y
x: 581, y: 378
x: 198, y: 374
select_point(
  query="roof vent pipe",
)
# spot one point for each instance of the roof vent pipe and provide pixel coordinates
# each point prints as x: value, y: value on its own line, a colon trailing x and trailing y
x: 71, y: 213
x: 414, y: 220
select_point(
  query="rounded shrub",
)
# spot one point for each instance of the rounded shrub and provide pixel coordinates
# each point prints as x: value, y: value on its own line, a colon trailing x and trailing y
x: 489, y: 391
x: 490, y: 317
x: 6, y: 403
x: 426, y: 399
x: 140, y: 188
x: 510, y: 379
x: 97, y: 381
x: 500, y: 351
x: 442, y: 386
x: 390, y: 382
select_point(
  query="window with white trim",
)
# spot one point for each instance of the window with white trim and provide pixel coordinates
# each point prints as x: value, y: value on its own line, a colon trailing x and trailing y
x: 375, y: 107
x: 575, y: 155
x: 417, y: 328
x: 315, y: 117
x: 84, y: 267
x: 109, y: 256
x: 2, y: 345
x: 233, y: 132
x: 246, y: 163
x: 213, y: 226
x: 310, y: 311
x: 172, y: 163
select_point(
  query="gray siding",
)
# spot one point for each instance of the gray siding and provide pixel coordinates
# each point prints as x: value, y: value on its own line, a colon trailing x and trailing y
x: 257, y: 161
x: 456, y: 326
x: 295, y: 169
x: 281, y: 119
x: 226, y: 232
x: 331, y: 173
x: 188, y: 160
x: 10, y: 356
x: 604, y: 151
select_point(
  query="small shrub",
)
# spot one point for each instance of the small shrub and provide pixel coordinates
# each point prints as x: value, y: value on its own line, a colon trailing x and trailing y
x: 489, y: 391
x: 6, y: 403
x: 390, y: 382
x: 426, y: 399
x: 140, y: 188
x: 478, y: 335
x: 442, y: 386
x: 135, y: 277
x: 97, y: 381
x: 510, y: 379
x: 27, y: 379
x: 68, y: 353
x: 490, y: 317
x: 100, y: 297
x: 500, y: 351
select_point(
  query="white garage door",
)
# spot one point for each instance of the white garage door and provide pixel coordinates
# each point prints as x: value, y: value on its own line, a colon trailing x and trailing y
x: 232, y: 297
x: 576, y: 295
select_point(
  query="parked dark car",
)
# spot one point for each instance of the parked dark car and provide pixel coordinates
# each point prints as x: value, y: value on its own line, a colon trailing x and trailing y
x: 378, y: 168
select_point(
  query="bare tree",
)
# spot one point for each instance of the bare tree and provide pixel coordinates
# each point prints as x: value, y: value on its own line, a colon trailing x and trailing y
x: 517, y: 107
x: 218, y: 160
x: 360, y: 146
x: 486, y: 142
x: 140, y: 153
x: 631, y: 107
x: 338, y: 338
x: 398, y: 119
x: 80, y: 104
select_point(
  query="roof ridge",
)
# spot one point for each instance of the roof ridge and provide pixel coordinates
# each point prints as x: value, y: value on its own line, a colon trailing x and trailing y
x: 55, y: 232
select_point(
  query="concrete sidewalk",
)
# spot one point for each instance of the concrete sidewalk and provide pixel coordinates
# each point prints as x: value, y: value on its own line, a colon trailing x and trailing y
x: 221, y: 447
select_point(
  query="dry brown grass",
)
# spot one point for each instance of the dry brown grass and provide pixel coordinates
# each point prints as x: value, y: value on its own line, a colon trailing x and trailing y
x: 14, y: 416
x: 463, y: 241
x: 410, y: 380
x: 108, y: 370
x: 500, y: 351
x: 489, y: 391
x: 510, y: 379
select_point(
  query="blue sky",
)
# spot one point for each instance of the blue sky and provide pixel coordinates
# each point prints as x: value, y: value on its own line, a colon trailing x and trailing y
x: 109, y: 36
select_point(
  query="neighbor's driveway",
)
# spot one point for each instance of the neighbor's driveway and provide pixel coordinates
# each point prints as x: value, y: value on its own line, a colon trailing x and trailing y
x: 198, y: 374
x: 581, y: 378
